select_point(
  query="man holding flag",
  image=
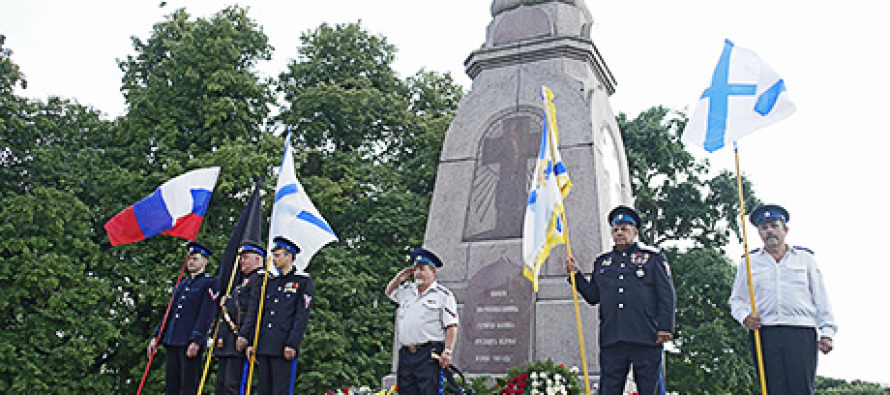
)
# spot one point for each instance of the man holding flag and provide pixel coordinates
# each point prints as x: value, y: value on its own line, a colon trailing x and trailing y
x: 185, y: 330
x: 296, y: 232
x: 234, y: 308
x: 745, y: 95
x: 794, y: 315
x: 285, y: 316
x: 632, y: 285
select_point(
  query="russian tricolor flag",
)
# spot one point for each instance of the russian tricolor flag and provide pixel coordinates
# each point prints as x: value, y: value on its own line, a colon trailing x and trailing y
x: 175, y: 209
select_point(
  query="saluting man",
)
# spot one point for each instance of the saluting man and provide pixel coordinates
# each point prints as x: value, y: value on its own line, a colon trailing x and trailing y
x: 793, y: 312
x: 233, y: 309
x: 185, y: 332
x: 633, y: 287
x: 285, y: 317
x: 426, y: 322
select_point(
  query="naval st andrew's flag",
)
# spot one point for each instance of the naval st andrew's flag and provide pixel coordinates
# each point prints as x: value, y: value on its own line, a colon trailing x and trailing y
x: 175, y: 209
x: 745, y: 95
x: 544, y: 228
x: 295, y: 217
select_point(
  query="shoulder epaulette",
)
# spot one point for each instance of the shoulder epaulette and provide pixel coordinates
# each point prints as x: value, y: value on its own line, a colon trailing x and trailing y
x: 752, y: 252
x: 799, y: 248
x: 443, y: 289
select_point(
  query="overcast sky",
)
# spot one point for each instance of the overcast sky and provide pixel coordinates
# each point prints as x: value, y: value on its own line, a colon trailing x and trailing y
x: 823, y: 163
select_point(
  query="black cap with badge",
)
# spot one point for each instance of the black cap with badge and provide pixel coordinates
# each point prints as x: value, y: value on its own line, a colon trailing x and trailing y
x: 196, y: 248
x: 624, y: 215
x: 280, y: 242
x: 254, y: 247
x: 769, y: 212
x: 422, y: 256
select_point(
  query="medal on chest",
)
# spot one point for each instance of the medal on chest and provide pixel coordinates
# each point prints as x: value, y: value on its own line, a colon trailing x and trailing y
x: 291, y: 287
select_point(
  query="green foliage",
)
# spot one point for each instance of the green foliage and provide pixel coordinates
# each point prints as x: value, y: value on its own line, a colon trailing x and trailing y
x: 713, y: 348
x: 831, y: 386
x: 368, y: 145
x: 677, y: 197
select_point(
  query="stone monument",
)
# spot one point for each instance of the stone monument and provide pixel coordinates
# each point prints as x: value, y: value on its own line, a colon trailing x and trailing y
x: 476, y: 215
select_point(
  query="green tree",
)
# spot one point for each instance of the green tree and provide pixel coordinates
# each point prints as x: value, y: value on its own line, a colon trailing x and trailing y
x: 692, y: 215
x: 194, y: 99
x: 57, y: 322
x: 368, y: 146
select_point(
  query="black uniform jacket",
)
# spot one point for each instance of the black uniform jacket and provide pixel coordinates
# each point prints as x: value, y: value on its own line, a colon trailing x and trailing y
x: 285, y: 314
x: 191, y: 312
x: 635, y: 293
x: 244, y: 292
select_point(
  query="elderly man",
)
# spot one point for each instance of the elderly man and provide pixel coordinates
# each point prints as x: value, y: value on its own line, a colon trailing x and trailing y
x: 233, y: 309
x: 793, y: 313
x: 284, y: 321
x: 426, y: 322
x: 632, y: 284
x: 185, y: 331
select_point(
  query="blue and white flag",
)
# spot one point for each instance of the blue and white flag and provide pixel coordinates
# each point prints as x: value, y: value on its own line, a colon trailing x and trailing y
x: 295, y: 217
x: 544, y: 227
x: 745, y: 95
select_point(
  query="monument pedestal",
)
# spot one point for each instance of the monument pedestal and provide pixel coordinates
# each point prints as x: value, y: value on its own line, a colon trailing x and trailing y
x: 478, y: 205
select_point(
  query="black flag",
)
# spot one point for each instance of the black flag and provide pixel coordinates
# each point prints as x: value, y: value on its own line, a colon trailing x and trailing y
x: 248, y: 228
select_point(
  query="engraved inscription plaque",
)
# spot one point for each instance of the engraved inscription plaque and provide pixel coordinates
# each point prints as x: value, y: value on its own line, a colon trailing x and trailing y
x: 496, y: 320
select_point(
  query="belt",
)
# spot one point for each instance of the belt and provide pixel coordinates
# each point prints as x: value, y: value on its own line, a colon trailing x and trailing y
x: 413, y: 348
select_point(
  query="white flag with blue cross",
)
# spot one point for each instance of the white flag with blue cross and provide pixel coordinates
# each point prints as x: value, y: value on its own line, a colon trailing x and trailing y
x: 295, y: 217
x: 745, y: 95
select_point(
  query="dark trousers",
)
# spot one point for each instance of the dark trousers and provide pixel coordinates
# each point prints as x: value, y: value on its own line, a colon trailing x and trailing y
x: 229, y: 375
x: 183, y: 373
x: 615, y: 362
x: 418, y: 373
x: 275, y: 375
x: 790, y: 354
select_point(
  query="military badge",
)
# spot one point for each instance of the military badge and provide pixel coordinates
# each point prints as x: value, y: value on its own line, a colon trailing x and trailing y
x: 307, y: 300
x: 640, y: 273
x: 607, y: 262
x: 291, y: 287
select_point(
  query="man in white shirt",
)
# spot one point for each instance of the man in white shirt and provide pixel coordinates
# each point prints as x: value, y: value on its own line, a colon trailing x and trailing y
x: 793, y: 312
x: 426, y: 322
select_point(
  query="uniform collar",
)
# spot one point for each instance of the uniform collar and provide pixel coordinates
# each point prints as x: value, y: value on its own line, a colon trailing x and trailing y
x: 632, y: 247
x: 433, y: 287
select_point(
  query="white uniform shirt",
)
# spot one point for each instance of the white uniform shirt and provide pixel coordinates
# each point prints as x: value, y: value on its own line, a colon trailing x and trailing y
x: 790, y: 292
x: 423, y: 318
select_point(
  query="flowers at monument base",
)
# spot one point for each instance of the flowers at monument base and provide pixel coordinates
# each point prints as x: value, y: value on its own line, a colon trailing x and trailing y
x: 363, y: 390
x: 540, y: 378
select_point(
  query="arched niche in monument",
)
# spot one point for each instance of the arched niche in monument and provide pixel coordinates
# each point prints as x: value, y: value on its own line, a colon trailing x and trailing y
x: 505, y: 159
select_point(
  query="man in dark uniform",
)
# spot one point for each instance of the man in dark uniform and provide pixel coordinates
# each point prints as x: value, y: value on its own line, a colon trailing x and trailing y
x: 426, y: 322
x: 632, y: 285
x: 185, y: 331
x: 233, y: 308
x: 285, y: 316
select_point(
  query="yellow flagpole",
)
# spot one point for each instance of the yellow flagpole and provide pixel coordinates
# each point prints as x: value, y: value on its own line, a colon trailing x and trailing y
x: 757, y: 345
x: 216, y: 326
x: 575, y: 300
x: 256, y: 333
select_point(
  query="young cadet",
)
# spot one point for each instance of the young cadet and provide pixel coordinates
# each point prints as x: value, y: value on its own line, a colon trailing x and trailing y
x: 284, y: 320
x: 185, y: 332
